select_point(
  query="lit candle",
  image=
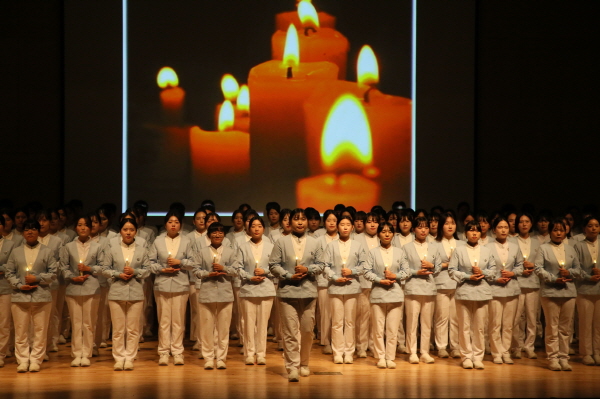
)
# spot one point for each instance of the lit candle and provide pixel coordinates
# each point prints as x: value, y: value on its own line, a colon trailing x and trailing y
x: 214, y: 258
x: 80, y: 272
x: 345, y: 147
x: 316, y: 43
x: 503, y: 265
x: 562, y: 264
x: 126, y: 262
x: 239, y: 98
x: 389, y: 119
x: 451, y: 252
x: 386, y: 268
x: 296, y: 261
x: 28, y: 268
x: 475, y: 263
x: 277, y: 94
x: 284, y: 19
x: 171, y: 97
x: 256, y: 265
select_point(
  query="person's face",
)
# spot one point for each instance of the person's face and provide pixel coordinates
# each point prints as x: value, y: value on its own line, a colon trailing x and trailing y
x: 211, y: 220
x: 405, y: 226
x: 511, y: 222
x: 449, y: 227
x: 256, y: 229
x: 567, y: 226
x: 485, y: 226
x: 285, y: 224
x: 524, y: 224
x: 313, y: 224
x: 273, y: 216
x: 82, y: 229
x: 591, y: 230
x: 468, y: 219
x: 200, y: 221
x: 393, y: 220
x: 20, y: 219
x: 247, y: 223
x: 8, y: 223
x: 238, y: 221
x: 173, y: 226
x: 386, y: 236
x: 421, y: 232
x: 473, y: 236
x: 359, y: 226
x: 216, y: 238
x: 433, y: 226
x: 568, y: 218
x: 558, y: 233
x: 502, y: 230
x: 299, y: 223
x: 128, y: 233
x: 44, y: 225
x: 62, y: 217
x: 95, y: 226
x: 103, y: 223
x: 331, y: 223
x: 31, y: 235
x: 371, y: 226
x: 345, y: 228
x: 542, y: 226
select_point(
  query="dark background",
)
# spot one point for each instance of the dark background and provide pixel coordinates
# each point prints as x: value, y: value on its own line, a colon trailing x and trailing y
x: 507, y: 100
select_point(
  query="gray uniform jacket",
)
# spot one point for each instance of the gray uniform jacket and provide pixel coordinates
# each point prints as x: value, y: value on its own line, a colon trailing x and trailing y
x: 69, y: 259
x: 283, y: 262
x: 417, y: 284
x: 460, y: 270
x: 374, y: 271
x: 126, y: 290
x: 514, y: 264
x: 531, y: 281
x: 547, y: 269
x: 584, y: 285
x: 357, y: 257
x: 245, y: 265
x: 214, y: 289
x: 443, y: 280
x: 171, y: 282
x: 44, y: 268
x: 56, y: 244
x: 364, y: 283
x: 322, y: 280
x: 7, y: 247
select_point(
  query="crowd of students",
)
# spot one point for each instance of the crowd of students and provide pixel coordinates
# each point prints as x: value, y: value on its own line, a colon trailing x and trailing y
x: 376, y: 283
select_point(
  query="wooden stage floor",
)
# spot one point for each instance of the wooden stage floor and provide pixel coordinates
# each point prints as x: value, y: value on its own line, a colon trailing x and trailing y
x: 445, y: 378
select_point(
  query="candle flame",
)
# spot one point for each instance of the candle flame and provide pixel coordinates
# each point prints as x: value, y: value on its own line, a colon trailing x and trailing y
x: 230, y: 87
x: 226, y: 116
x: 308, y: 15
x: 291, y: 52
x: 367, y: 68
x: 167, y: 78
x: 346, y: 141
x: 243, y: 99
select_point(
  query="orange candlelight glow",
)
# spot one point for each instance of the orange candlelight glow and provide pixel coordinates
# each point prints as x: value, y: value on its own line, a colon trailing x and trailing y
x: 243, y: 100
x: 291, y: 52
x: 308, y: 14
x: 172, y: 96
x: 367, y: 67
x: 283, y: 20
x: 230, y: 87
x: 346, y: 148
x: 226, y: 116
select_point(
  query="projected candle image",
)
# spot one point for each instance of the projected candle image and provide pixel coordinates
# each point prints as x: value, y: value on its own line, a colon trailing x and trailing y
x: 241, y: 109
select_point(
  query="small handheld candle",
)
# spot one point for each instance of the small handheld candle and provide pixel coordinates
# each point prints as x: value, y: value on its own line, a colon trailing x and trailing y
x: 169, y: 255
x: 562, y: 264
x: 214, y: 258
x: 451, y: 252
x: 296, y: 261
x: 81, y: 271
x: 387, y: 269
x: 126, y: 262
x: 475, y: 262
x: 28, y: 268
x: 503, y: 265
x: 256, y: 265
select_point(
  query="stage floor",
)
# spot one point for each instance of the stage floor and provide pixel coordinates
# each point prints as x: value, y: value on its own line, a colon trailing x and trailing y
x: 445, y: 378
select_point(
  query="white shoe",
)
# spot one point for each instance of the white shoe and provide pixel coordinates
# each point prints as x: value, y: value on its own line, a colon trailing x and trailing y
x: 95, y: 352
x: 249, y: 361
x: 304, y: 371
x: 141, y: 340
x: 200, y: 355
x: 103, y: 344
x: 270, y: 331
x: 23, y: 367
x: 381, y: 364
x: 76, y: 362
x: 516, y: 354
x: 467, y: 364
x: 163, y: 360
x: 564, y: 365
x: 293, y: 376
x: 34, y: 367
x: 348, y: 359
x: 362, y: 354
x: 507, y: 359
x: 61, y: 339
x: 85, y: 362
x: 118, y: 365
x: 554, y: 365
x: 327, y: 350
x: 46, y: 357
x: 390, y: 364
x: 455, y: 354
x: 426, y: 358
x: 221, y: 365
x: 413, y: 358
x: 498, y: 360
x: 530, y: 353
x: 597, y: 360
x: 588, y: 360
x: 197, y: 346
x: 53, y: 348
x: 338, y: 360
x: 443, y: 353
x: 478, y: 365
x: 209, y: 365
x: 178, y: 360
x: 128, y: 365
x: 402, y: 349
x: 261, y: 361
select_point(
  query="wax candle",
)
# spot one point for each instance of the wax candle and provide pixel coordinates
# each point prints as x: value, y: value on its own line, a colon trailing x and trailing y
x: 28, y: 269
x: 284, y: 19
x: 386, y: 268
x: 562, y: 264
x: 240, y: 98
x: 345, y: 148
x: 171, y: 97
x: 222, y: 153
x: 316, y: 43
x: 277, y: 93
x: 389, y: 119
x: 296, y: 261
x: 256, y: 265
x: 80, y: 272
x: 475, y: 262
x: 503, y: 265
x: 451, y: 252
